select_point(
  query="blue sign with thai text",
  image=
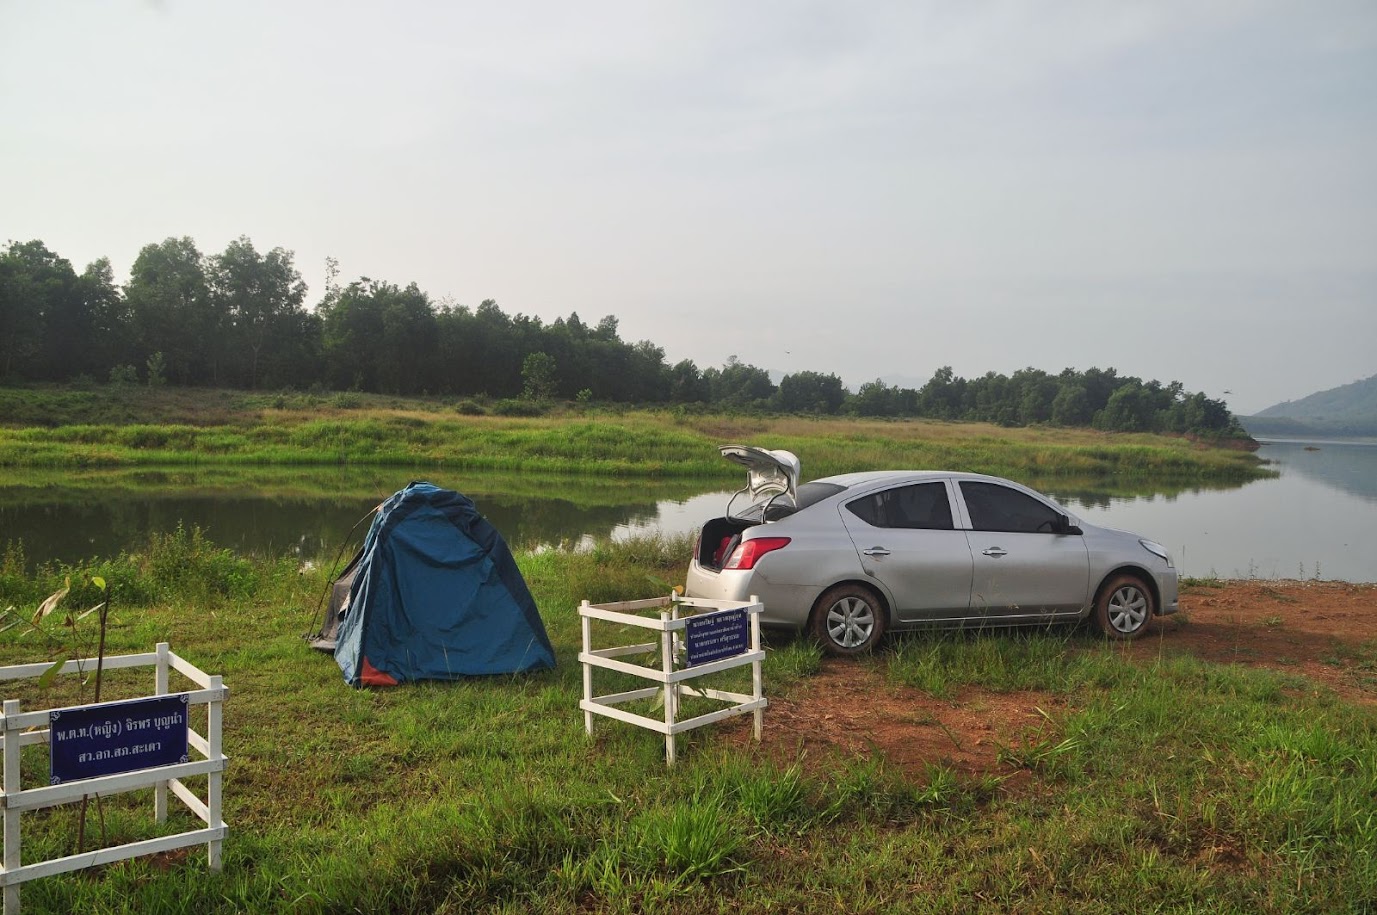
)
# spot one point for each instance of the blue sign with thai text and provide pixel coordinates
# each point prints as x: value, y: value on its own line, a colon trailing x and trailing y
x: 117, y: 737
x: 714, y: 636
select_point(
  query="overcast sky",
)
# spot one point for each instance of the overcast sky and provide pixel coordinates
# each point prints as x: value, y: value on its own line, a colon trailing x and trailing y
x: 1183, y: 191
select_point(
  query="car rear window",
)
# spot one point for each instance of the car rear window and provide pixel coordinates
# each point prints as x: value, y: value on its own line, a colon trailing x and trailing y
x: 808, y: 494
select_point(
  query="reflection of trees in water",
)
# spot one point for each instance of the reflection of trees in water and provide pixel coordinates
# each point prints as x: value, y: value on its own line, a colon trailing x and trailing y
x: 75, y: 524
x: 1347, y: 466
x: 1101, y: 493
x: 308, y: 512
x: 529, y: 522
x: 73, y: 532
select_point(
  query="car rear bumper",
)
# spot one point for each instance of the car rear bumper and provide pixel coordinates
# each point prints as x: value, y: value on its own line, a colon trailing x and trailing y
x: 785, y: 605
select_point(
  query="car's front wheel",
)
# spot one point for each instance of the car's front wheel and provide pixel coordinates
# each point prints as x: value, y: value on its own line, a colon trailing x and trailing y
x: 848, y: 620
x: 1123, y: 607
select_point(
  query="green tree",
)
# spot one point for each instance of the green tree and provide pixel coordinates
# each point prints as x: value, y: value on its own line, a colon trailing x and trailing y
x: 538, y: 376
x: 42, y: 322
x: 262, y: 297
x: 353, y: 332
x: 647, y: 374
x: 811, y: 392
x: 940, y: 398
x: 1071, y: 406
x: 380, y: 337
x: 172, y: 313
x: 686, y: 383
x: 108, y: 317
x: 738, y: 384
x: 1130, y: 409
x: 874, y: 398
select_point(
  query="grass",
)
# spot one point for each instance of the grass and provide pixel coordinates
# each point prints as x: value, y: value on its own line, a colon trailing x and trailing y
x: 131, y: 428
x: 1167, y: 784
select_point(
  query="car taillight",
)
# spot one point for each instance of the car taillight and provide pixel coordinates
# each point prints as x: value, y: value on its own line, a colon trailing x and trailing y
x: 748, y: 552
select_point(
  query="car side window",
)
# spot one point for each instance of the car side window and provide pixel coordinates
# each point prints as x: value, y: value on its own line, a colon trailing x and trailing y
x: 922, y: 506
x: 998, y: 508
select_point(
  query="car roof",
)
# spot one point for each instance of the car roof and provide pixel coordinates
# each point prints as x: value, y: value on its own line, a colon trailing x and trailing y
x: 878, y: 476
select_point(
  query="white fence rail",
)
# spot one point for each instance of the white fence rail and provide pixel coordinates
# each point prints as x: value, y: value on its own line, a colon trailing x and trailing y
x: 670, y: 623
x: 19, y: 729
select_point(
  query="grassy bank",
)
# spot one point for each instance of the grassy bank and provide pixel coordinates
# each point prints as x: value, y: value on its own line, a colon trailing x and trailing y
x: 122, y: 428
x: 1156, y: 781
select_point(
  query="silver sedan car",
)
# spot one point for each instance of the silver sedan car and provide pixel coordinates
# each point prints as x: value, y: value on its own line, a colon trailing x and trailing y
x: 853, y: 556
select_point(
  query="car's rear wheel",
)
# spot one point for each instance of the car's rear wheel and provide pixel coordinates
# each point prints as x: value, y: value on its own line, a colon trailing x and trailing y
x: 848, y: 620
x: 1123, y: 607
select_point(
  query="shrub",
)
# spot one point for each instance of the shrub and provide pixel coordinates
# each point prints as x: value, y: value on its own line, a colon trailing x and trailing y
x: 122, y: 375
x: 512, y: 407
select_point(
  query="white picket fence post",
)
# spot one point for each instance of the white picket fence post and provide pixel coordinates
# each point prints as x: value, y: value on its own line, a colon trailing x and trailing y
x: 673, y: 681
x: 19, y: 729
x: 11, y: 787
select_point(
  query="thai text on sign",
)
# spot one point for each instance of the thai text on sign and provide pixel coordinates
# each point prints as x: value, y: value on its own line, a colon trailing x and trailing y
x: 714, y: 636
x: 115, y: 737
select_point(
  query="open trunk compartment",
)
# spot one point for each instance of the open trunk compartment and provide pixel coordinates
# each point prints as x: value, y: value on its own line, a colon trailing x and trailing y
x: 718, y: 538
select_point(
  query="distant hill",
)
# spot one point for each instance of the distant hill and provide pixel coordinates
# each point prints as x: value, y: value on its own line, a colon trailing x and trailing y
x: 1349, y: 410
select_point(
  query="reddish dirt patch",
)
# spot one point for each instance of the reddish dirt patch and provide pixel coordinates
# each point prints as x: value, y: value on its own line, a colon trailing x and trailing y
x: 1323, y: 630
x: 1326, y: 631
x: 849, y: 710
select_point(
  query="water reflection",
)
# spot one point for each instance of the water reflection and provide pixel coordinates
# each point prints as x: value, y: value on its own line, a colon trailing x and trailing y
x: 72, y: 516
x: 1316, y: 519
x: 1347, y: 466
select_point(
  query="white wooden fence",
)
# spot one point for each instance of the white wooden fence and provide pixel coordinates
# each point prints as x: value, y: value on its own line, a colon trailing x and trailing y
x: 19, y: 729
x: 669, y: 623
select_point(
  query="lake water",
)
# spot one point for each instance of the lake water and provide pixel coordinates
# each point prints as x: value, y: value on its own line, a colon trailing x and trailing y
x: 1317, y: 519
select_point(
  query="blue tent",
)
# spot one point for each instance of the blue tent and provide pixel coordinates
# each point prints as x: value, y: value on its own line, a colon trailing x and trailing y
x: 435, y: 594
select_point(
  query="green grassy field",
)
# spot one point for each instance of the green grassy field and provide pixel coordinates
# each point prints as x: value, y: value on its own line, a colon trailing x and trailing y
x: 45, y: 429
x: 1156, y: 782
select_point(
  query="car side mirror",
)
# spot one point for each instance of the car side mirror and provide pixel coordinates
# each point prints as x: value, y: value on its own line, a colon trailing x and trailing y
x: 1063, y: 525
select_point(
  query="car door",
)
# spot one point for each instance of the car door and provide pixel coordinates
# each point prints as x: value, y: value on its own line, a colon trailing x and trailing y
x: 1023, y: 566
x: 907, y: 541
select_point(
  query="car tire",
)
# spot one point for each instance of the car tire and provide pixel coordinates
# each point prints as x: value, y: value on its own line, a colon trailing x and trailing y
x: 848, y: 620
x: 1123, y: 607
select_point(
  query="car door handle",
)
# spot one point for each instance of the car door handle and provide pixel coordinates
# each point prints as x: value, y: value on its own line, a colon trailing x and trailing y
x: 876, y: 551
x: 994, y: 551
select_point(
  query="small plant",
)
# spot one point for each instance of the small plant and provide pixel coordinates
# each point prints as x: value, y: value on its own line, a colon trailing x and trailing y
x: 692, y: 841
x: 776, y: 801
x: 72, y: 644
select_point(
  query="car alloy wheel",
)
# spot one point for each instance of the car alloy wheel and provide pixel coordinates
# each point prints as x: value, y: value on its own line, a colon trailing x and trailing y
x: 1123, y: 608
x: 848, y: 620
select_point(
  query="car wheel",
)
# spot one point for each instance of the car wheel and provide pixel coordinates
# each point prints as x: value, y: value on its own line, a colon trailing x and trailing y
x: 1123, y: 607
x: 848, y: 620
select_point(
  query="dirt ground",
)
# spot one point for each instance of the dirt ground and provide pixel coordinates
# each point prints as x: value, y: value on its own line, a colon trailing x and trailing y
x: 1324, y: 631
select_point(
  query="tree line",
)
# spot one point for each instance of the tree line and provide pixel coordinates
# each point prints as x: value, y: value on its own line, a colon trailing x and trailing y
x: 240, y: 319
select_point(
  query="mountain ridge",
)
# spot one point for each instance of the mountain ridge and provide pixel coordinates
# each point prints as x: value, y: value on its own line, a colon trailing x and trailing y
x: 1348, y: 411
